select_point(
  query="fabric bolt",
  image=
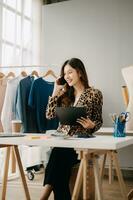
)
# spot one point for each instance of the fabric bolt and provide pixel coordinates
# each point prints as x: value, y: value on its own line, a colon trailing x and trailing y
x: 8, y: 110
x: 38, y: 99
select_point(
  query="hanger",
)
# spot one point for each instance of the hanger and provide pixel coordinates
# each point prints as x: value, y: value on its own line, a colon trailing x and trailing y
x: 23, y: 73
x: 50, y: 72
x: 34, y: 72
x: 2, y: 75
x: 10, y: 74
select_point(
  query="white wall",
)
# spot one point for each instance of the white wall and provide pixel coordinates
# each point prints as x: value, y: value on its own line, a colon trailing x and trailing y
x: 100, y: 32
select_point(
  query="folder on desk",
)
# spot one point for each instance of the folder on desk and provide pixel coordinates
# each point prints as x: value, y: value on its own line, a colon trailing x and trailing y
x: 12, y: 135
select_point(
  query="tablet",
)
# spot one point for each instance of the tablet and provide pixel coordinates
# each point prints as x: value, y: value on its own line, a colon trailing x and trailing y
x: 69, y: 115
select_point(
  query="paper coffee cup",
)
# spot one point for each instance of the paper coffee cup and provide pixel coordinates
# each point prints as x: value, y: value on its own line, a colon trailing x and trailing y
x: 16, y: 126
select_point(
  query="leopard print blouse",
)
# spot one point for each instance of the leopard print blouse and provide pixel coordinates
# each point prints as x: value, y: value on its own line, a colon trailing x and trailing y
x: 92, y: 99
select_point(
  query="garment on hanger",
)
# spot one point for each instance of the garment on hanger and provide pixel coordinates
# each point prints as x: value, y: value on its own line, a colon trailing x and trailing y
x: 24, y: 74
x: 2, y: 75
x: 3, y: 84
x: 38, y: 99
x: 50, y: 72
x: 35, y: 73
x: 8, y: 110
x: 10, y: 74
x: 22, y: 110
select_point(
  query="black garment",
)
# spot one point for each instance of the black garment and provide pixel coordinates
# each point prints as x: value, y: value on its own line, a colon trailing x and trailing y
x: 23, y: 111
x: 38, y: 100
x: 58, y: 171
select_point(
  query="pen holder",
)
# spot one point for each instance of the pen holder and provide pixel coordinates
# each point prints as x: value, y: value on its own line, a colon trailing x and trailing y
x: 119, y: 128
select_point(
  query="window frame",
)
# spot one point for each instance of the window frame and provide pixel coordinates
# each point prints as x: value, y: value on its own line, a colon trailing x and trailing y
x: 14, y: 44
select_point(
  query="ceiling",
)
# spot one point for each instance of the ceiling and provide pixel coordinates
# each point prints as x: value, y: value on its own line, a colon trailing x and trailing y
x: 52, y: 1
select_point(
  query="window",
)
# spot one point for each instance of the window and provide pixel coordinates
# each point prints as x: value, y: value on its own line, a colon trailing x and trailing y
x: 15, y: 32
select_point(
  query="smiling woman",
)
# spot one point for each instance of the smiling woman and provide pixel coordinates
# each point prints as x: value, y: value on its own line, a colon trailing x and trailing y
x: 76, y: 93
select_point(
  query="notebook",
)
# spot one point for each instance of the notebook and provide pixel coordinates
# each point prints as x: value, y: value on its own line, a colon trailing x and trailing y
x: 69, y: 115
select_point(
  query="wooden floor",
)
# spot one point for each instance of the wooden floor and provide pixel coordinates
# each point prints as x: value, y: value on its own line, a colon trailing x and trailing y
x: 15, y: 190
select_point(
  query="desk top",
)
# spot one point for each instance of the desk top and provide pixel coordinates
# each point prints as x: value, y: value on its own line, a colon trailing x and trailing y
x: 98, y: 142
x: 109, y: 130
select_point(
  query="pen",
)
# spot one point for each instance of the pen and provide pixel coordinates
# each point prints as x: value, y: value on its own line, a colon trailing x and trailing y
x: 34, y: 137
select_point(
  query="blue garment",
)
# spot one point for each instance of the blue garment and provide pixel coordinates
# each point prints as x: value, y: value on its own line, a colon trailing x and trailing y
x: 23, y: 111
x: 38, y: 99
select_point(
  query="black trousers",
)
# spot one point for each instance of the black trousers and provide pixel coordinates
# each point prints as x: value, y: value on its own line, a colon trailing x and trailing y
x: 58, y: 171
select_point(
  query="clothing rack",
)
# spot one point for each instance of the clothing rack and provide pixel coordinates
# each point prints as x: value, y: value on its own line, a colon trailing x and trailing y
x: 24, y: 66
x: 34, y: 72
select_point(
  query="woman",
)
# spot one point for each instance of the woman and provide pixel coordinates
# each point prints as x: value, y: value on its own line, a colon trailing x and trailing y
x: 75, y: 92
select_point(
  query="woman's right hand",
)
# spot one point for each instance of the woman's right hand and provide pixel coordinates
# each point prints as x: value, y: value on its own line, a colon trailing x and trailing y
x: 58, y: 89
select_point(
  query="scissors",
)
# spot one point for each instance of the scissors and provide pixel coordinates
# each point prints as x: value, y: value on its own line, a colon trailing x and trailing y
x: 124, y: 116
x: 114, y: 117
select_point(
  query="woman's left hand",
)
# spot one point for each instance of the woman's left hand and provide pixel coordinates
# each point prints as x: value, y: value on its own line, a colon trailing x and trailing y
x: 86, y: 122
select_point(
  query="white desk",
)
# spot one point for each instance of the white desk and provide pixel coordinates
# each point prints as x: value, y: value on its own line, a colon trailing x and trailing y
x: 98, y: 142
x: 86, y: 147
x: 109, y: 130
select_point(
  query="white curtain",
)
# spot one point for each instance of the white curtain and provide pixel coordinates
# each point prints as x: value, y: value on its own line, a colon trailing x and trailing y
x: 36, y: 37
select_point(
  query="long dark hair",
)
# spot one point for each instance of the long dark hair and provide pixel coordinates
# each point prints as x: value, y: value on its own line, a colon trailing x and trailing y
x: 68, y: 97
